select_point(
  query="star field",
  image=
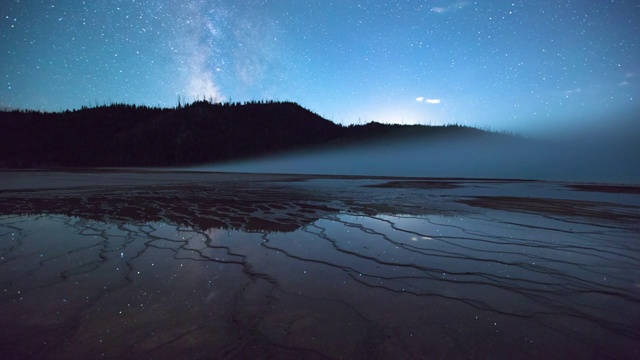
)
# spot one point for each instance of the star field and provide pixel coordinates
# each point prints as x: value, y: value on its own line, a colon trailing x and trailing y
x: 516, y: 66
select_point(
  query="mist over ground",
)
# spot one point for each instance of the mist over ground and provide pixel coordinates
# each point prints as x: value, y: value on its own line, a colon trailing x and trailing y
x: 600, y: 155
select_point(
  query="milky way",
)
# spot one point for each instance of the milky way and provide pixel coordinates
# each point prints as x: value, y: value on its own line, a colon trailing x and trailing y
x: 517, y: 65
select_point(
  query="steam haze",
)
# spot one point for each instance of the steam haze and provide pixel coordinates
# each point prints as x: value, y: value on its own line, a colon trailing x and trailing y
x: 591, y: 156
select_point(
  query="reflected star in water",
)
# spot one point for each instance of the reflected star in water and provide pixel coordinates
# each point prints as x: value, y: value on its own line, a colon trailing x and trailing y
x: 293, y: 266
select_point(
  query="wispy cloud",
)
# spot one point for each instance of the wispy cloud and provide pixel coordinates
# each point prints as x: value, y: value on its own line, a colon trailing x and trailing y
x: 445, y: 9
x: 628, y: 79
x: 428, y: 101
x: 567, y: 93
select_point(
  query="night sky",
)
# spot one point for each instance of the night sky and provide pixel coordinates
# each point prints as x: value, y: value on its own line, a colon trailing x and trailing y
x: 504, y: 65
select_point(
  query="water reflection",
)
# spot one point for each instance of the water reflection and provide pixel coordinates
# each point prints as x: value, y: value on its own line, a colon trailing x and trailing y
x: 146, y: 277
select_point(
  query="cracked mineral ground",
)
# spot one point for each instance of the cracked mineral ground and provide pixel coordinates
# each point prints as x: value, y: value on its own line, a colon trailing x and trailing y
x: 126, y: 264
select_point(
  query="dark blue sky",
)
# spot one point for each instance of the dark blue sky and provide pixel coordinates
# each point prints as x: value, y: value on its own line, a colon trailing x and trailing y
x: 507, y: 65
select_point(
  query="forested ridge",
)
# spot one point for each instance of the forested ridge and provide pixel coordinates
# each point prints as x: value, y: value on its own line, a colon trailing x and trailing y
x: 201, y: 132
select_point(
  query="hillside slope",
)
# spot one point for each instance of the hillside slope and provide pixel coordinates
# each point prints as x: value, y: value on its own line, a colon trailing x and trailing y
x: 129, y: 135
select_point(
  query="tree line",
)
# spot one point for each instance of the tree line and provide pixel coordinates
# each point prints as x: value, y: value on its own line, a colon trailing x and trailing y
x: 200, y: 132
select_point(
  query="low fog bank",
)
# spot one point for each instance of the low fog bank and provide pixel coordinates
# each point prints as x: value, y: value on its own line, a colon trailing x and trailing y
x: 587, y: 157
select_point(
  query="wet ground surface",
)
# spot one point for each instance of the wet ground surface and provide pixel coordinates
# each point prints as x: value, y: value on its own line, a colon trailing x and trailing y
x: 185, y: 265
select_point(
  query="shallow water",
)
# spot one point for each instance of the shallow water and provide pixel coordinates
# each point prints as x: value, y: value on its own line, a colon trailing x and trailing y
x: 378, y: 273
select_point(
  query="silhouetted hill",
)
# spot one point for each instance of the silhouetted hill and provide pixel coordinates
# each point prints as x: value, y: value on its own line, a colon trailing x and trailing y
x: 375, y: 131
x: 129, y: 135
